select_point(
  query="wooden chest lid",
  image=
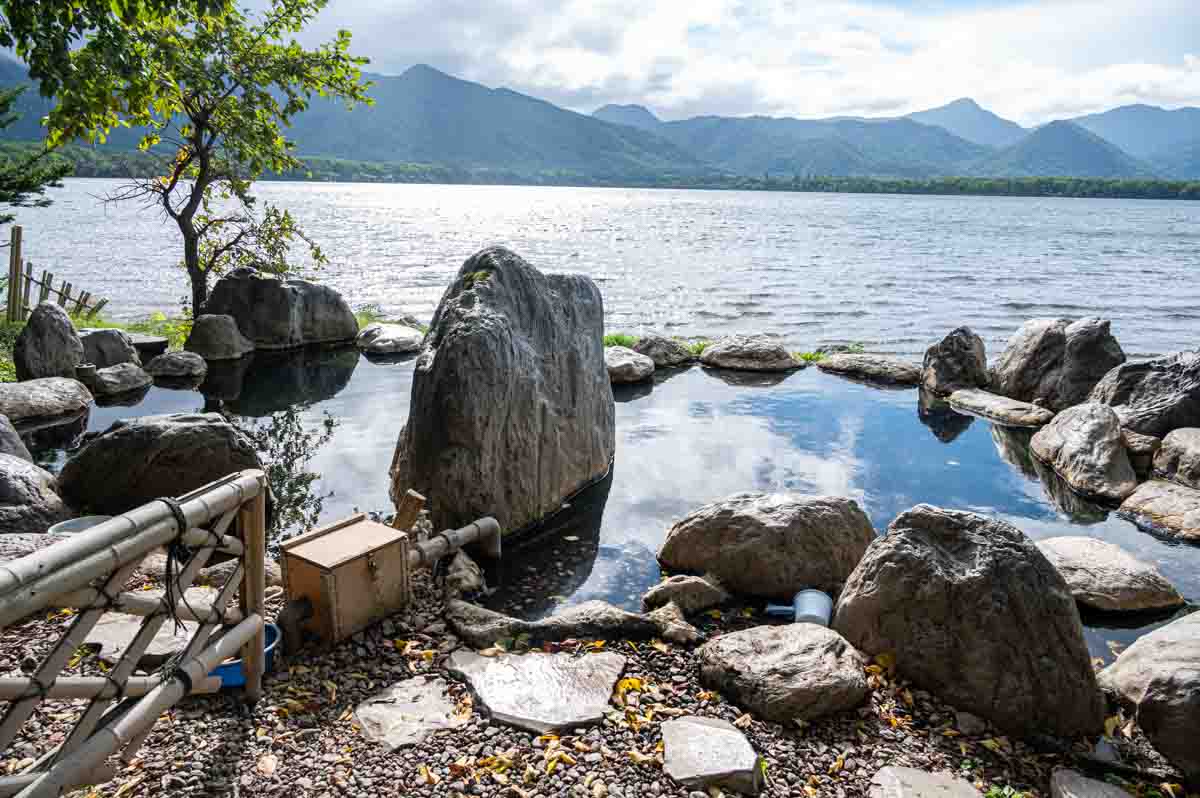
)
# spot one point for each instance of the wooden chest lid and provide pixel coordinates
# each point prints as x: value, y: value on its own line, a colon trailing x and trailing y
x: 340, y: 542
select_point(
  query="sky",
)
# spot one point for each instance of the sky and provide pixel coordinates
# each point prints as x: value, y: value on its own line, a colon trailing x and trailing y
x: 1029, y: 60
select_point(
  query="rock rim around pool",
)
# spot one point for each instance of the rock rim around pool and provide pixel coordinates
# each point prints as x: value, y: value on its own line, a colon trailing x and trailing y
x: 47, y: 345
x: 782, y: 673
x: 957, y: 361
x: 626, y: 366
x: 1055, y: 363
x: 1105, y: 577
x: 1156, y: 396
x: 123, y: 378
x: 541, y: 693
x: 665, y: 352
x: 870, y: 368
x: 505, y: 334
x: 277, y: 313
x: 108, y: 347
x: 1178, y: 458
x: 34, y: 403
x: 1165, y: 508
x: 217, y: 337
x: 974, y: 613
x: 771, y: 545
x: 482, y: 628
x: 710, y: 754
x: 749, y: 353
x: 177, y: 366
x: 1084, y: 445
x: 29, y: 503
x: 380, y: 338
x: 1001, y: 409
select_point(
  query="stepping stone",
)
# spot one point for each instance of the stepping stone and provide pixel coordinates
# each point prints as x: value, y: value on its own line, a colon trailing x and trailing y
x: 148, y: 346
x: 913, y: 783
x: 1000, y: 409
x: 627, y: 366
x: 872, y: 368
x: 706, y: 752
x: 407, y: 712
x: 1106, y: 577
x: 1166, y: 508
x: 541, y: 692
x: 1066, y: 783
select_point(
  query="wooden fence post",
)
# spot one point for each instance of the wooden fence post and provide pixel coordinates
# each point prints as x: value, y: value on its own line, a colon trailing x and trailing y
x: 14, y: 276
x: 252, y: 520
x: 26, y: 290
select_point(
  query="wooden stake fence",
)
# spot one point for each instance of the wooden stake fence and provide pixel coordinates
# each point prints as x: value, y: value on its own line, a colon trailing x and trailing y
x: 89, y: 572
x: 21, y: 281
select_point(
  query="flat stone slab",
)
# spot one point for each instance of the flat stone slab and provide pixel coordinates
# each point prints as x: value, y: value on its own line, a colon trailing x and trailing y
x: 1000, y: 409
x: 707, y: 752
x: 1065, y: 783
x: 1106, y: 577
x: 116, y: 630
x: 872, y: 368
x: 1166, y: 508
x: 541, y: 692
x: 407, y: 712
x: 389, y: 339
x: 913, y: 783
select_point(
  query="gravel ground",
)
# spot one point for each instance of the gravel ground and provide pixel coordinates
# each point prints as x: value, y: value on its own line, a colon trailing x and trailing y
x: 301, y: 738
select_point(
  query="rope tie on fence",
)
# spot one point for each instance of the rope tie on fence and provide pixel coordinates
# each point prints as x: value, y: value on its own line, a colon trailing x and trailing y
x: 177, y: 554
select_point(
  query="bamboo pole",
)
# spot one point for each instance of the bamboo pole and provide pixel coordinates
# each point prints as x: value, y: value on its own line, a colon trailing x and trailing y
x: 67, y: 688
x: 64, y: 295
x: 96, y: 310
x: 81, y: 302
x: 408, y: 511
x: 132, y: 603
x: 252, y: 520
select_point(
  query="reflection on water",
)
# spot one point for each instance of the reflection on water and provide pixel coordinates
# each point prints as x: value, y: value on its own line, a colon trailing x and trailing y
x: 329, y: 419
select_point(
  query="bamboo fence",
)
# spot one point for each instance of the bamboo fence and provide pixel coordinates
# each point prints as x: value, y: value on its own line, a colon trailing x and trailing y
x: 21, y: 281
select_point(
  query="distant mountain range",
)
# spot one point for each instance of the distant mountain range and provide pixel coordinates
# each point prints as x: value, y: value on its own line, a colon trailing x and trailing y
x: 425, y: 116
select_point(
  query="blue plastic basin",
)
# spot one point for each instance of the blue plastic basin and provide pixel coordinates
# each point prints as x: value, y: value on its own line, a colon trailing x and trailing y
x: 231, y: 672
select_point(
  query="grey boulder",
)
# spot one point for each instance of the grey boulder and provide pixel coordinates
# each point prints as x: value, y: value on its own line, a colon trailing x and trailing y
x: 142, y: 459
x: 1179, y: 457
x: 108, y: 347
x: 1155, y: 396
x: 10, y: 441
x: 389, y: 339
x: 177, y: 365
x: 1084, y: 445
x: 710, y: 754
x: 1165, y: 508
x: 1105, y: 577
x: 781, y: 673
x: 33, y: 401
x: 974, y: 613
x: 626, y: 366
x: 1055, y: 363
x: 512, y: 409
x: 282, y: 314
x: 1142, y: 450
x: 895, y: 782
x: 665, y: 352
x: 957, y: 361
x: 47, y: 345
x: 689, y: 593
x: 409, y: 711
x: 748, y: 353
x: 119, y: 379
x: 1065, y: 783
x: 771, y: 545
x: 1001, y: 409
x: 872, y: 368
x: 217, y: 337
x: 28, y: 501
x: 541, y: 693
x: 1158, y: 677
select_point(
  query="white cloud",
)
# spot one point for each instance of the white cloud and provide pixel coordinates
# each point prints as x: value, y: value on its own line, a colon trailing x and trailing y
x: 1032, y: 61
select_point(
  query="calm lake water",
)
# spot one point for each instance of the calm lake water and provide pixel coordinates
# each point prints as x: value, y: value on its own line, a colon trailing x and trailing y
x: 893, y: 272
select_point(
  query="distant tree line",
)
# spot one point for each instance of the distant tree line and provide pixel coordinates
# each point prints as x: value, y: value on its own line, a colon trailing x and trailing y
x: 90, y: 162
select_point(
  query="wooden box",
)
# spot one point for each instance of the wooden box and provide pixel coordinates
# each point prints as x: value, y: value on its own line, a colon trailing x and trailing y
x: 354, y: 572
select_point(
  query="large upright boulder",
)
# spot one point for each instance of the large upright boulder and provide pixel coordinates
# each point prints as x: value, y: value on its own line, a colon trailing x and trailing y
x: 1158, y: 677
x: 282, y: 314
x: 1085, y: 446
x: 512, y: 410
x: 1155, y: 396
x: 28, y: 502
x: 217, y: 337
x: 142, y: 459
x: 109, y: 347
x: 1055, y: 363
x: 974, y: 613
x: 1179, y: 457
x: 771, y: 545
x: 48, y: 345
x: 957, y: 361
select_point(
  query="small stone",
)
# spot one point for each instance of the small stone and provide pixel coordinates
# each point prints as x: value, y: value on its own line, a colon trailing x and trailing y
x: 627, y: 366
x: 706, y: 752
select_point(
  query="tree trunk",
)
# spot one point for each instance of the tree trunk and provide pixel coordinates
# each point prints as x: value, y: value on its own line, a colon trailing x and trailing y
x: 198, y: 277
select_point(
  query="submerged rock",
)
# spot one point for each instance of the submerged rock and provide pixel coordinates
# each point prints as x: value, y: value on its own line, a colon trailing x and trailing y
x: 1105, y: 577
x: 177, y: 365
x: 1001, y: 409
x: 781, y: 673
x: 625, y: 365
x: 1158, y: 677
x: 771, y: 545
x: 217, y: 337
x: 10, y: 441
x: 1141, y: 449
x: 541, y: 693
x: 1165, y: 508
x: 47, y: 345
x: 1178, y: 460
x: 957, y: 361
x: 665, y: 352
x: 1056, y: 363
x: 407, y: 712
x: 749, y: 353
x: 28, y: 502
x: 872, y: 368
x: 894, y: 782
x: 512, y: 409
x: 109, y: 347
x: 142, y: 459
x: 1084, y: 445
x: 1155, y: 396
x: 282, y: 314
x: 710, y: 754
x: 389, y: 339
x: 974, y: 613
x: 690, y: 593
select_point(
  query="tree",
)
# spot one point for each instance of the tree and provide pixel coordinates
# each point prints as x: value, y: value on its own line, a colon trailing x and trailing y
x: 24, y: 179
x: 223, y: 90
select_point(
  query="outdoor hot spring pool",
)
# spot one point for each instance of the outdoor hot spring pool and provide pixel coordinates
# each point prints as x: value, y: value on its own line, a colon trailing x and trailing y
x: 329, y: 420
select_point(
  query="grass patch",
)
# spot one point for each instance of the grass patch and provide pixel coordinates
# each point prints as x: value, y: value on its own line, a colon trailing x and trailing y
x: 621, y: 339
x: 697, y: 347
x: 8, y: 337
x: 373, y: 314
x: 174, y: 328
x: 476, y: 278
x: 809, y: 357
